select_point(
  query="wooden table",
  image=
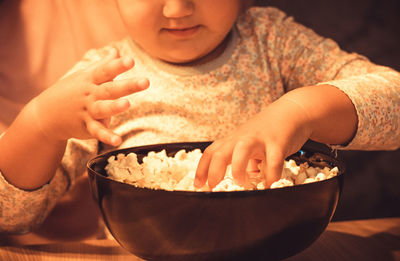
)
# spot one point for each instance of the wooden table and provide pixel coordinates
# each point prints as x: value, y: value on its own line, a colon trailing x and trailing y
x: 375, y: 239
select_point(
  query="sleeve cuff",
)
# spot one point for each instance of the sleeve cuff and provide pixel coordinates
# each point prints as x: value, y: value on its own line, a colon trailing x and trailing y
x: 376, y: 99
x: 22, y: 210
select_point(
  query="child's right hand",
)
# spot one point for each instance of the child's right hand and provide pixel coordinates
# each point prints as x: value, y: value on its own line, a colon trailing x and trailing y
x: 81, y: 104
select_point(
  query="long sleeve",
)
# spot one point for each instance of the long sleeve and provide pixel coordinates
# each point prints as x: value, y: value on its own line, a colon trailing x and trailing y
x: 376, y: 97
x: 300, y: 57
x: 21, y: 211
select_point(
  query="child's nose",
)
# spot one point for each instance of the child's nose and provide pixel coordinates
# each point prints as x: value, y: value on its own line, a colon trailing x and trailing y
x: 178, y: 8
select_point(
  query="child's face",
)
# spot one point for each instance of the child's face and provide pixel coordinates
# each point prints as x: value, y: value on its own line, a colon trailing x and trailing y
x: 179, y: 31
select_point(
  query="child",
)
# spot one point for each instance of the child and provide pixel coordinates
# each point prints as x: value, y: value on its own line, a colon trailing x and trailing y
x: 216, y: 72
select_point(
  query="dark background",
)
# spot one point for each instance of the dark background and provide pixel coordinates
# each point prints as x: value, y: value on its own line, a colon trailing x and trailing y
x: 370, y: 28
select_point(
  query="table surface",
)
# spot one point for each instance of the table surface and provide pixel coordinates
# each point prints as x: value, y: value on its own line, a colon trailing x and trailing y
x: 373, y: 239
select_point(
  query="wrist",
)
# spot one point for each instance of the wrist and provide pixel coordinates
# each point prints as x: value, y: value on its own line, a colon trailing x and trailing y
x: 34, y: 116
x: 293, y: 115
x: 330, y: 115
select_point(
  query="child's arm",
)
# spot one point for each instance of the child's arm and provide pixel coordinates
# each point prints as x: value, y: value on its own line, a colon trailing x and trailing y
x: 78, y: 106
x: 322, y: 113
x: 299, y: 57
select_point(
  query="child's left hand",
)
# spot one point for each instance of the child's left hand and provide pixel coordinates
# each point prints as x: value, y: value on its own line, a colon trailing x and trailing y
x: 271, y: 136
x: 322, y: 113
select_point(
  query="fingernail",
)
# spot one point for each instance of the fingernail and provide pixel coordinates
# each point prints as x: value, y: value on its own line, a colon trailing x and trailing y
x: 112, y: 52
x: 123, y: 103
x: 127, y: 61
x: 144, y: 83
x: 115, y: 140
x: 197, y: 183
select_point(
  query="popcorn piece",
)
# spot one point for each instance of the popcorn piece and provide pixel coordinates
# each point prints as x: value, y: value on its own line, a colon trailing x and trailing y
x: 282, y: 183
x: 309, y: 180
x: 320, y: 176
x: 158, y: 171
x: 301, y: 177
x: 311, y: 172
x: 261, y: 185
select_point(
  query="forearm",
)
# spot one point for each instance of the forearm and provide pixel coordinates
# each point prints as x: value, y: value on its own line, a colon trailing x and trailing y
x: 28, y: 158
x: 331, y: 116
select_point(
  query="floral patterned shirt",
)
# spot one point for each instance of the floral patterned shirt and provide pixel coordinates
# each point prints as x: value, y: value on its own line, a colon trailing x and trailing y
x: 268, y: 55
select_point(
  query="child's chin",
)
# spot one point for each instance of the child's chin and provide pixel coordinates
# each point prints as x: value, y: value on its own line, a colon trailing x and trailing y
x: 180, y: 61
x: 186, y: 59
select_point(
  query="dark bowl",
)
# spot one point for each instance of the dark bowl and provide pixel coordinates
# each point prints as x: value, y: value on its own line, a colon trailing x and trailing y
x: 238, y: 225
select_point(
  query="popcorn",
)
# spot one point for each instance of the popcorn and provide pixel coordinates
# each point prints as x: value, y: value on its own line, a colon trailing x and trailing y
x: 301, y: 177
x: 282, y: 183
x: 159, y: 171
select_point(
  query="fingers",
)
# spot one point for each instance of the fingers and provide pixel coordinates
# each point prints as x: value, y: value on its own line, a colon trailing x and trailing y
x: 101, y: 133
x: 244, y: 157
x: 202, y: 169
x: 253, y: 166
x: 105, y: 109
x: 116, y: 89
x: 109, y: 68
x: 107, y: 106
x: 212, y: 166
x: 106, y: 100
x: 274, y: 165
x: 216, y: 172
x: 240, y: 159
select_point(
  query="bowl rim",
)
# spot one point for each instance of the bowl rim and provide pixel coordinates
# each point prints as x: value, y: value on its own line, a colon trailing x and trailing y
x: 321, y: 151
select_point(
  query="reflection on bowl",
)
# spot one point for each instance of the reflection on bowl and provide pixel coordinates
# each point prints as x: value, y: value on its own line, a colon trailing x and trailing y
x: 238, y: 225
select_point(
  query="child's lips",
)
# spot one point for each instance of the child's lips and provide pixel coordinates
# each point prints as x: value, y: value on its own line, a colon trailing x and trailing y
x: 183, y: 32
